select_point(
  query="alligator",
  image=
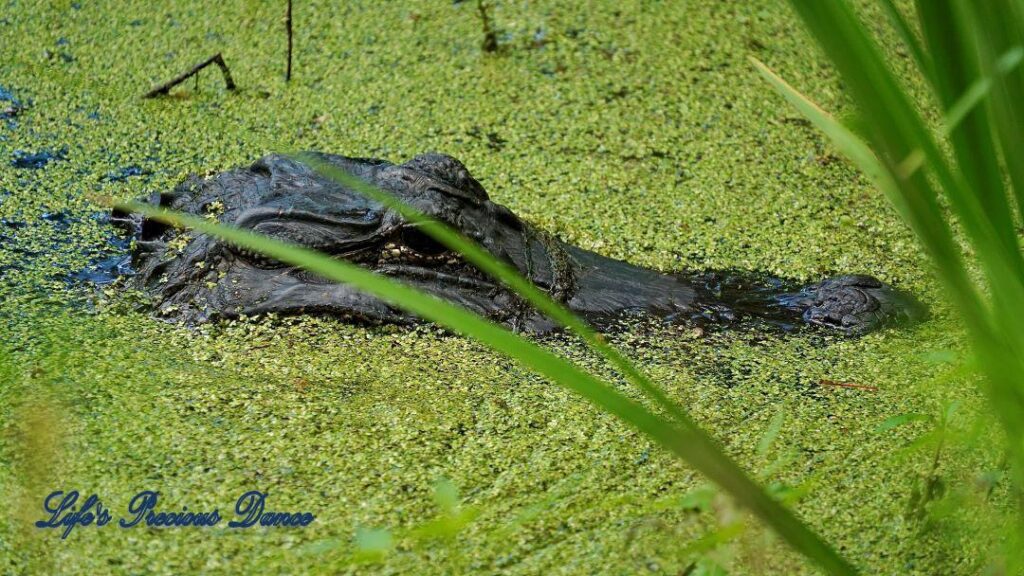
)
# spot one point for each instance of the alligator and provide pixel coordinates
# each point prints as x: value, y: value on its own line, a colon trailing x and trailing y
x: 193, y: 278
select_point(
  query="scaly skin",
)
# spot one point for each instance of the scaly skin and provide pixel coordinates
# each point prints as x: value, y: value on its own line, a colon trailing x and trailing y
x: 195, y: 278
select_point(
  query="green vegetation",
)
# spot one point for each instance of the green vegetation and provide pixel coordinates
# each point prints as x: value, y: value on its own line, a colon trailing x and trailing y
x: 676, y: 433
x: 970, y: 59
x: 630, y: 129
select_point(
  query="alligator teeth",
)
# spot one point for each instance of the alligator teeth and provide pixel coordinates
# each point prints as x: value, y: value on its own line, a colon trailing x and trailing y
x: 395, y: 252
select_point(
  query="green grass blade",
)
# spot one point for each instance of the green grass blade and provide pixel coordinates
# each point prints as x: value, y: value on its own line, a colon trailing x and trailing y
x: 923, y: 217
x: 842, y: 137
x: 948, y: 29
x: 505, y: 273
x: 973, y: 146
x: 935, y: 236
x: 1001, y: 30
x: 981, y: 88
x: 969, y: 41
x: 896, y: 130
x: 923, y: 61
x: 772, y: 432
x: 686, y: 442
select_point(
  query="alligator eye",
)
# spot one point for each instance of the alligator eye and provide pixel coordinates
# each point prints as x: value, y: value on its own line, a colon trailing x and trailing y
x: 421, y: 243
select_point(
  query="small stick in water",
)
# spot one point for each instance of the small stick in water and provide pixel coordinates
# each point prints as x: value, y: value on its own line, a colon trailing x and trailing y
x: 217, y: 59
x: 288, y: 25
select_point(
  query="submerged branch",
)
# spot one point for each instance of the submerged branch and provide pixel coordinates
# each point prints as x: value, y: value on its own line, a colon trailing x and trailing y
x: 288, y: 26
x: 217, y: 59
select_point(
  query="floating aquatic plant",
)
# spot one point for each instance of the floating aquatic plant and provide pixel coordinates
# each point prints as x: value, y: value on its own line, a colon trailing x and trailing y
x: 969, y: 55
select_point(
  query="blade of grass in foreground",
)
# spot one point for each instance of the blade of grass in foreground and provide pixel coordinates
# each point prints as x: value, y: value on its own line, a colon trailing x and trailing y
x: 896, y: 129
x: 1002, y: 387
x: 505, y: 273
x: 974, y: 150
x: 919, y: 213
x: 924, y: 63
x: 970, y: 42
x: 999, y: 30
x: 686, y: 442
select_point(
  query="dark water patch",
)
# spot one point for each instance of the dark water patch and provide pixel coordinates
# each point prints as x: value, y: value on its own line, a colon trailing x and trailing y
x: 5, y: 268
x: 36, y: 160
x: 12, y: 224
x: 29, y: 250
x: 10, y: 107
x: 106, y: 263
x: 60, y: 221
x: 125, y: 172
x: 540, y: 39
x: 104, y: 271
x: 12, y: 245
x: 492, y: 139
x: 64, y: 55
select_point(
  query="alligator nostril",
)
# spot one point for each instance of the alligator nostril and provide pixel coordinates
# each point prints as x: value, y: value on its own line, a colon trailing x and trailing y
x: 260, y: 167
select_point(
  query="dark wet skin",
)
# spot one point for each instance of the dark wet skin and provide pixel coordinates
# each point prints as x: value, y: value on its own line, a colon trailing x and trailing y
x: 195, y: 278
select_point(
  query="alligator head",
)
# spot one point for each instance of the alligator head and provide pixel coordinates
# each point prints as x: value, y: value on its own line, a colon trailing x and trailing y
x: 194, y: 277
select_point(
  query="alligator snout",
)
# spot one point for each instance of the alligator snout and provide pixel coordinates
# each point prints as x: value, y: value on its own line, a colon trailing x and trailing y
x: 854, y: 303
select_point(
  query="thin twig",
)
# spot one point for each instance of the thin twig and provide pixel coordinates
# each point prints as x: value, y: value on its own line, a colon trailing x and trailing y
x: 288, y: 25
x: 217, y: 59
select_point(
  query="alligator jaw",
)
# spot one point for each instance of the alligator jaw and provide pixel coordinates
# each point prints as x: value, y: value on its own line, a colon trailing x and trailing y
x: 850, y: 304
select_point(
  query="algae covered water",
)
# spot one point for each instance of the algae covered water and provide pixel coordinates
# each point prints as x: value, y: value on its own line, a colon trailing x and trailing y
x: 637, y: 130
